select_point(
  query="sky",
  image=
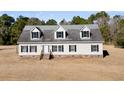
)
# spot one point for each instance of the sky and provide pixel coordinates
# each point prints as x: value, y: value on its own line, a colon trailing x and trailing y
x: 57, y: 15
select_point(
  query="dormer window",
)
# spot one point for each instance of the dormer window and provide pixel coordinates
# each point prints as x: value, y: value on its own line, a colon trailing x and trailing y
x: 85, y: 33
x: 34, y: 35
x: 59, y: 34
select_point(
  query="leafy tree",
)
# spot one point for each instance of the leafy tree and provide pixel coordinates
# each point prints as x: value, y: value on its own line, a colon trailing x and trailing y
x: 6, y: 20
x: 105, y: 33
x: 5, y: 33
x: 119, y: 35
x: 121, y: 24
x: 35, y: 21
x: 17, y: 28
x: 91, y: 18
x: 63, y: 22
x: 51, y: 22
x: 43, y: 22
x: 112, y: 30
x: 102, y: 14
x: 78, y: 20
x: 5, y: 24
x: 120, y: 39
x: 116, y: 16
x: 101, y: 17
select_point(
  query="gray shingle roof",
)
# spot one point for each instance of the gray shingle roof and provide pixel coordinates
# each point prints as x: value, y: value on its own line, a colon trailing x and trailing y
x: 72, y: 30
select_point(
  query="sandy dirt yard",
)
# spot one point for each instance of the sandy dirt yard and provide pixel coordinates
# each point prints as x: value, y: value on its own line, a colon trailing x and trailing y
x: 13, y: 67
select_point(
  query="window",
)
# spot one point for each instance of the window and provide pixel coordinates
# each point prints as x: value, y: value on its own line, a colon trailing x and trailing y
x: 72, y: 48
x: 94, y: 48
x: 24, y: 48
x: 60, y: 48
x: 54, y: 48
x: 59, y: 34
x: 84, y: 34
x: 33, y: 48
x: 34, y: 34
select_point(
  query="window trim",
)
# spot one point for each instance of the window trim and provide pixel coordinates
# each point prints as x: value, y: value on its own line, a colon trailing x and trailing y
x: 53, y: 49
x: 94, y: 48
x: 85, y: 34
x: 24, y: 47
x: 34, y: 49
x: 58, y: 36
x: 60, y: 48
x: 36, y: 34
x: 72, y: 50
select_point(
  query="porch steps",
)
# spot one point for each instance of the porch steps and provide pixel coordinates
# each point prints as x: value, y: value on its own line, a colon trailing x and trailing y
x: 46, y: 56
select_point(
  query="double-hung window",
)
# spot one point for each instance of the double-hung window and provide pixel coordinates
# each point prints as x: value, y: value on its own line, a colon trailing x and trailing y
x: 59, y: 35
x: 54, y: 48
x: 60, y: 48
x: 34, y: 35
x: 94, y: 48
x: 85, y: 34
x: 24, y: 48
x: 72, y: 48
x: 57, y: 48
x: 33, y: 48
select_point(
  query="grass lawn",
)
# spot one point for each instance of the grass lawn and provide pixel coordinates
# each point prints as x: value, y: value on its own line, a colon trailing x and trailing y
x: 12, y: 67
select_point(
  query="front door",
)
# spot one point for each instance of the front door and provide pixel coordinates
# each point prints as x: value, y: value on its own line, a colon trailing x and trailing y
x: 46, y: 49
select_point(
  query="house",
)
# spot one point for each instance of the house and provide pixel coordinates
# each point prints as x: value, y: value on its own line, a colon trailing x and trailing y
x: 61, y: 40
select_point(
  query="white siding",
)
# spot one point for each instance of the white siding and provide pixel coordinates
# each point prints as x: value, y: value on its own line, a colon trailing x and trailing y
x: 82, y: 49
x: 39, y: 47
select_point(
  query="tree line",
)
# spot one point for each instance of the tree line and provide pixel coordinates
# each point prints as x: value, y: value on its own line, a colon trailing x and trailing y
x: 112, y: 29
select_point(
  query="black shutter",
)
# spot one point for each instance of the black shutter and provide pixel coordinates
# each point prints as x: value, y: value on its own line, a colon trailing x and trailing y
x: 75, y: 48
x: 30, y: 48
x: 62, y: 34
x: 97, y: 48
x: 52, y: 48
x: 82, y: 34
x: 35, y: 48
x: 62, y: 48
x: 37, y: 35
x: 21, y: 48
x: 26, y: 48
x: 88, y: 33
x: 32, y: 34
